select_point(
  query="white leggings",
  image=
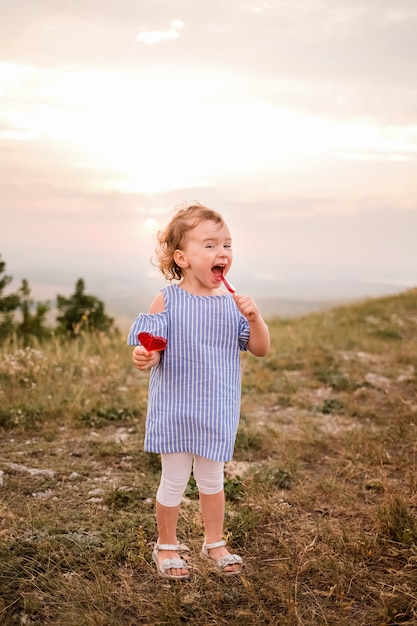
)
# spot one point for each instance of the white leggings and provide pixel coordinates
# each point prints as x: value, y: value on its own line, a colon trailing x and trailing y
x: 176, y: 471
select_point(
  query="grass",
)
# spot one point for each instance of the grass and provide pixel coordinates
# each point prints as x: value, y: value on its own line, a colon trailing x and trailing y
x: 322, y: 491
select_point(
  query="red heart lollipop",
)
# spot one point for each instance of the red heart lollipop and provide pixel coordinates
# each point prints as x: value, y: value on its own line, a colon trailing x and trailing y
x: 152, y: 342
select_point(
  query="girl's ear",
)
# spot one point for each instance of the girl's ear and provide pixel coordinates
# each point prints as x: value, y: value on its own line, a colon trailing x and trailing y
x: 180, y: 259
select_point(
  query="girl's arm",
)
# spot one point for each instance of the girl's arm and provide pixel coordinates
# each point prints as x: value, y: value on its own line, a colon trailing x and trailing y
x: 158, y: 304
x: 142, y: 359
x: 259, y: 340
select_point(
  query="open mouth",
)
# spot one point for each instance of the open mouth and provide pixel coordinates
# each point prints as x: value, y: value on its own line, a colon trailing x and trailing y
x: 218, y: 271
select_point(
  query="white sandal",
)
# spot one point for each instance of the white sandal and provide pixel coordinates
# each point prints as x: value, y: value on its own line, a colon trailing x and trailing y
x: 167, y: 564
x: 224, y: 561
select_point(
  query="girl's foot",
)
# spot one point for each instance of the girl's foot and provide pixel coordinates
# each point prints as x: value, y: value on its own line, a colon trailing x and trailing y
x: 218, y: 553
x: 168, y: 562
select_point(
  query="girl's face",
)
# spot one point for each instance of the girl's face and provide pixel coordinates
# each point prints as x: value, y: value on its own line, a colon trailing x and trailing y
x: 205, y: 255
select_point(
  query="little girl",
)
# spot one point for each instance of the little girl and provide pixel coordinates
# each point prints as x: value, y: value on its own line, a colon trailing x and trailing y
x: 194, y: 388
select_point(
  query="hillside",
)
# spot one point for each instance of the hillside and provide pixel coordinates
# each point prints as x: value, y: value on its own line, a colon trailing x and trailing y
x: 322, y: 492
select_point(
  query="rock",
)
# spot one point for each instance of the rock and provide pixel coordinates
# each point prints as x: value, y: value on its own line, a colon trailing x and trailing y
x: 33, y: 471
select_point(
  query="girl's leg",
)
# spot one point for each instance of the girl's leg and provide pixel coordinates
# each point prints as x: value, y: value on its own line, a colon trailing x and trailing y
x: 209, y: 476
x: 176, y: 470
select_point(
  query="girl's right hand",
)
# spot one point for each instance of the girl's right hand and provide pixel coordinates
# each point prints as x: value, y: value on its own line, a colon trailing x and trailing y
x: 143, y: 360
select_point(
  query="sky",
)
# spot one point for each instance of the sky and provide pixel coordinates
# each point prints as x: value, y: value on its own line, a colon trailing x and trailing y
x: 295, y: 119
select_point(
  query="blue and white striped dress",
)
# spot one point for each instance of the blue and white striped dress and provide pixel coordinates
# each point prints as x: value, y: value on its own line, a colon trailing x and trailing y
x: 194, y: 391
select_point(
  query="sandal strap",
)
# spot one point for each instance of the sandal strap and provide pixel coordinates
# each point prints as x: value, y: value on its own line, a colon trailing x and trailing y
x: 216, y: 544
x: 230, y: 559
x: 173, y: 564
x: 171, y: 546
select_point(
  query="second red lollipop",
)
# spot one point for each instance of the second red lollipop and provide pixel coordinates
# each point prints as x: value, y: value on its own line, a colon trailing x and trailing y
x: 152, y: 343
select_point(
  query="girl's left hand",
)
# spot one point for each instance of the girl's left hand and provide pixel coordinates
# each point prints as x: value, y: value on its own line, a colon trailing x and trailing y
x: 247, y: 307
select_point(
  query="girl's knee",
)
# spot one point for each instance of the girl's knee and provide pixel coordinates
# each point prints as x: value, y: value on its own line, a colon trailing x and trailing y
x: 170, y: 491
x: 209, y: 476
x: 176, y: 470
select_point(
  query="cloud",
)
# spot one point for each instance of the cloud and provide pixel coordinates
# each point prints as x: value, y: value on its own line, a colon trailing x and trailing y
x: 337, y: 58
x: 300, y: 115
x: 260, y: 7
x: 156, y: 36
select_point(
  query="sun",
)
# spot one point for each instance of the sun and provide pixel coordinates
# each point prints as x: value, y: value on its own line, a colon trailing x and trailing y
x: 118, y: 129
x: 151, y: 225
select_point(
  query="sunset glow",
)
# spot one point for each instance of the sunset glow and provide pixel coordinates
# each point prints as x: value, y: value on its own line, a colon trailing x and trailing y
x: 299, y: 125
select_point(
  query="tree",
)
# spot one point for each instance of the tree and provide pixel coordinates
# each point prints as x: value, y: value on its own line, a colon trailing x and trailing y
x: 32, y: 324
x: 81, y: 313
x: 11, y: 301
x: 27, y: 324
x: 8, y: 304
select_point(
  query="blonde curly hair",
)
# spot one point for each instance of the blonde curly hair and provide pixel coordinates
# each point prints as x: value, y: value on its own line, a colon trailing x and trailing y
x: 172, y: 237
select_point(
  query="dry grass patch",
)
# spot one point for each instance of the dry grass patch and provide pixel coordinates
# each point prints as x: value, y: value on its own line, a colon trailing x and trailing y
x: 322, y: 495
